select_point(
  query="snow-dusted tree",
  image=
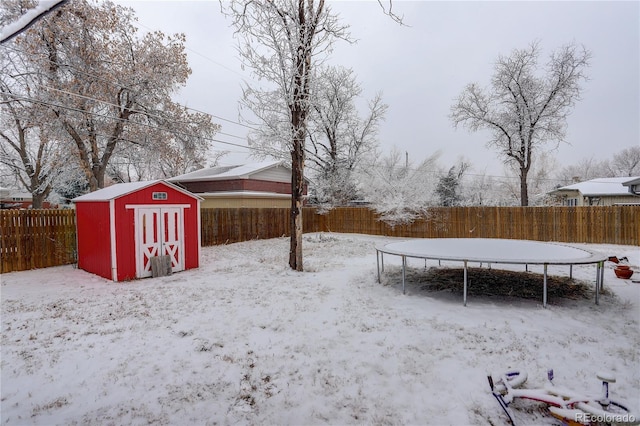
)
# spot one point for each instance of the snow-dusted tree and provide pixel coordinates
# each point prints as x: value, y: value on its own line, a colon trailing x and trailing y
x: 107, y: 86
x: 622, y: 164
x: 163, y: 152
x: 399, y: 191
x: 339, y: 139
x: 29, y: 153
x: 524, y: 110
x: 282, y: 40
x: 480, y: 189
x: 585, y: 169
x: 540, y: 179
x: 626, y: 162
x: 71, y: 183
x: 447, y: 189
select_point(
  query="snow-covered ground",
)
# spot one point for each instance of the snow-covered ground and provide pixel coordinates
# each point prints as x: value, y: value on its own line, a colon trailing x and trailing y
x: 245, y: 340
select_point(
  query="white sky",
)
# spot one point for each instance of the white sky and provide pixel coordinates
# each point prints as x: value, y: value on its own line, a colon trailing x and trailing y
x: 421, y: 68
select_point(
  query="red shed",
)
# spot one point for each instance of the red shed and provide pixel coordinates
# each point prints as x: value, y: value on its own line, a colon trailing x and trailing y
x: 121, y: 227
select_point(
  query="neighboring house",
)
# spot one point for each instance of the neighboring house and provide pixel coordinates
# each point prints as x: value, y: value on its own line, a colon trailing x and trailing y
x: 634, y: 185
x: 264, y: 184
x: 11, y: 199
x: 600, y: 192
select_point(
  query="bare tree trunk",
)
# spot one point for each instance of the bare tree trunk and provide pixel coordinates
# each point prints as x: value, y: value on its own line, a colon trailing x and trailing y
x: 295, y: 31
x: 38, y: 200
x: 299, y: 112
x: 297, y: 192
x: 524, y: 193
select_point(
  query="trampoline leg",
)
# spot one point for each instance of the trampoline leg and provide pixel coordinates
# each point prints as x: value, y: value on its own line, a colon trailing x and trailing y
x: 597, y: 283
x: 464, y: 291
x: 601, y: 275
x: 544, y: 288
x: 570, y: 272
x: 404, y: 268
x: 378, y: 264
x: 599, y: 278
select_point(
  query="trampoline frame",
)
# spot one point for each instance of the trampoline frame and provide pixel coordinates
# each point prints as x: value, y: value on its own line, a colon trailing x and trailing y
x: 592, y: 259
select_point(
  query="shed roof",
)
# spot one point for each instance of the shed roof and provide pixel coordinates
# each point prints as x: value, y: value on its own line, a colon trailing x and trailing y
x: 241, y: 171
x: 600, y: 187
x: 120, y: 189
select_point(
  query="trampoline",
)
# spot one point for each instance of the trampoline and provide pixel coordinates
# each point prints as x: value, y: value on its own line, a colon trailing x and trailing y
x: 492, y: 251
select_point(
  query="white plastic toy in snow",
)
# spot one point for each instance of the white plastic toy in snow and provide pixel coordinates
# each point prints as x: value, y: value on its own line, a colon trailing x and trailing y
x: 569, y: 406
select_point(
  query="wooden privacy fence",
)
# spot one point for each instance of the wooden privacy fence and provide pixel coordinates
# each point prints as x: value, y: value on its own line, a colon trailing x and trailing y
x: 608, y: 225
x: 32, y: 239
x: 40, y: 238
x: 222, y: 226
x: 594, y: 224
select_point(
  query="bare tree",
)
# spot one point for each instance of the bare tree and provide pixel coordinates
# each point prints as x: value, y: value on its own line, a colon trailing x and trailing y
x: 479, y: 189
x: 522, y: 110
x: 539, y: 180
x: 623, y: 163
x: 29, y: 156
x: 29, y: 153
x: 109, y: 88
x: 626, y: 162
x: 166, y: 148
x: 339, y: 137
x: 281, y: 41
x: 585, y: 169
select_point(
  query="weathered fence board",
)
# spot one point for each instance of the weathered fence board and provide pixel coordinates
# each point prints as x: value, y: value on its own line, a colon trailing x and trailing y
x: 41, y: 238
x: 32, y: 239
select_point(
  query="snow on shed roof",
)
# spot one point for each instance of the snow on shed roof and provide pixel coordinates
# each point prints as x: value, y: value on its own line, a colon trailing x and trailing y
x: 600, y: 187
x: 242, y: 171
x: 120, y: 189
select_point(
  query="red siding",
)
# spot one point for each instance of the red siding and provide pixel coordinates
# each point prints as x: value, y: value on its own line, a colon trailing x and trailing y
x: 191, y: 237
x: 144, y: 196
x: 125, y: 225
x: 125, y: 240
x: 94, y: 242
x: 238, y: 185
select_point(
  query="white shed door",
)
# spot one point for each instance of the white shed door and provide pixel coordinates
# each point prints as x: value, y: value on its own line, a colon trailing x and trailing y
x: 159, y: 232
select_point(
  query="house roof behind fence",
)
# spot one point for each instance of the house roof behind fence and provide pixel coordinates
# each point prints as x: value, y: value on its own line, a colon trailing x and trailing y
x: 613, y: 186
x: 242, y: 171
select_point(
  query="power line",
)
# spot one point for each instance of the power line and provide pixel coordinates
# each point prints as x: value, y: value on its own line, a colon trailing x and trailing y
x: 113, y: 81
x: 122, y: 85
x: 65, y: 107
x: 260, y: 150
x: 197, y: 53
